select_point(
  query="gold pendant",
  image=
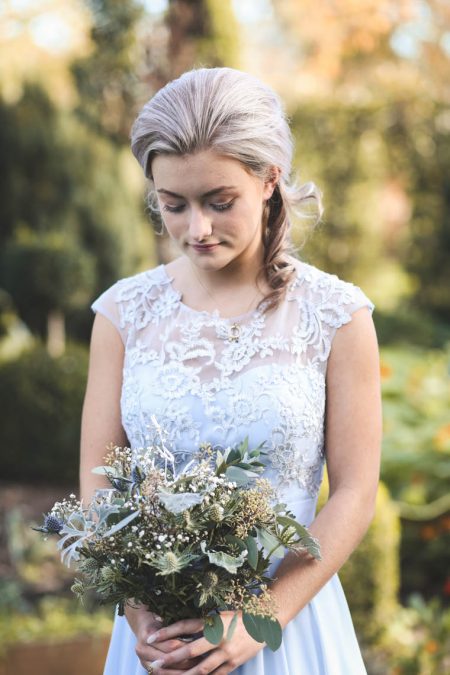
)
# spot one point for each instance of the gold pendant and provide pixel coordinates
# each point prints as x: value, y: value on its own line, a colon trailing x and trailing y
x: 235, y: 333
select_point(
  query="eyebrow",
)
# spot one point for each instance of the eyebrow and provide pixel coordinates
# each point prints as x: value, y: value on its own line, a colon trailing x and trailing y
x: 210, y: 193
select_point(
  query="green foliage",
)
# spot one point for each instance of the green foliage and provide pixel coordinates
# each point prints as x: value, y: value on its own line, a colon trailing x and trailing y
x: 54, y: 620
x: 46, y: 273
x: 107, y: 78
x: 421, y: 129
x: 416, y: 461
x: 40, y: 409
x: 370, y: 577
x: 397, y: 328
x: 71, y: 213
x: 220, y: 45
x: 418, y: 640
x: 416, y: 400
x: 357, y: 154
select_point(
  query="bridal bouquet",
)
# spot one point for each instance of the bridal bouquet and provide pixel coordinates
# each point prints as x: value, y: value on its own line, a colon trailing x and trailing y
x: 185, y: 543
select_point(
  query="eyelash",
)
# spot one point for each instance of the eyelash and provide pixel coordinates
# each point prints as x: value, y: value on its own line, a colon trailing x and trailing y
x: 216, y: 207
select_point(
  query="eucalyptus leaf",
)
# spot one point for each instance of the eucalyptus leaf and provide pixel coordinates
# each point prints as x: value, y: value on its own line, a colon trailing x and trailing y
x: 240, y: 476
x: 263, y: 629
x: 270, y: 543
x: 252, y: 549
x: 213, y: 629
x: 271, y: 632
x: 228, y: 562
x: 118, y: 526
x: 307, y: 540
x: 179, y: 502
x: 252, y: 626
x: 106, y: 471
x: 236, y: 541
x: 232, y: 627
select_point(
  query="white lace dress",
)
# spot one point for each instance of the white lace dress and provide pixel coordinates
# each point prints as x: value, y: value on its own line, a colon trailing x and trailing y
x: 181, y: 366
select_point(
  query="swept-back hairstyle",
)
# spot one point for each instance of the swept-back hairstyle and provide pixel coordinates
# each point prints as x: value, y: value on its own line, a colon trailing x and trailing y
x: 234, y: 114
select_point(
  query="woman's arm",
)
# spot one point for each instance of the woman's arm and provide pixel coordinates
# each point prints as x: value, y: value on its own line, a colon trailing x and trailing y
x: 101, y: 418
x: 100, y: 426
x: 353, y: 443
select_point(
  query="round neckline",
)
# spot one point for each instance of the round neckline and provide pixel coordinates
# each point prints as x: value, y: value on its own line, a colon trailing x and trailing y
x: 204, y: 312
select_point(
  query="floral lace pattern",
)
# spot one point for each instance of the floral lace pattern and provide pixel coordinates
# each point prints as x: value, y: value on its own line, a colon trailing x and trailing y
x: 270, y: 385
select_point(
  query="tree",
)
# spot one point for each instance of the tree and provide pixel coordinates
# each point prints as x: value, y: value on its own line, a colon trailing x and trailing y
x: 70, y: 225
x: 107, y: 79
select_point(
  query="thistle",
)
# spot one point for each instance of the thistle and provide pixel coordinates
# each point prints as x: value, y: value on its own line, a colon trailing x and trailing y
x: 171, y: 562
x: 216, y: 513
x: 52, y: 525
x: 77, y: 588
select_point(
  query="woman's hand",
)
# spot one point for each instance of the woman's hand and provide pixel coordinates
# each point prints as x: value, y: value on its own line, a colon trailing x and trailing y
x: 144, y: 624
x: 221, y: 660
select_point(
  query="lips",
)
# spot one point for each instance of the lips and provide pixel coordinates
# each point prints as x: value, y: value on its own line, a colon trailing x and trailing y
x: 204, y: 247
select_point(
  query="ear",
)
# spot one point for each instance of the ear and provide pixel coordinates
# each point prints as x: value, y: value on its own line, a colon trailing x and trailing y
x: 273, y: 176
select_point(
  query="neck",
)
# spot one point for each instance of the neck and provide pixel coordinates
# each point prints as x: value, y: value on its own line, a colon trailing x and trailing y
x: 236, y: 275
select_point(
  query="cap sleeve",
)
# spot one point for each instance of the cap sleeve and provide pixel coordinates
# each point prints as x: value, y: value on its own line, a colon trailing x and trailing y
x: 107, y: 304
x: 356, y: 299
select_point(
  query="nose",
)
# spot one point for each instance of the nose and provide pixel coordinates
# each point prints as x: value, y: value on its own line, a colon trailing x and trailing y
x: 200, y: 226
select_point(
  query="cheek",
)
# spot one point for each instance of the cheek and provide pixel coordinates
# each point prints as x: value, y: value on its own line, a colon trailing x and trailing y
x: 173, y: 225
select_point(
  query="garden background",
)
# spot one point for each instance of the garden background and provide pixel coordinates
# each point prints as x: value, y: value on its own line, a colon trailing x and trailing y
x: 367, y: 91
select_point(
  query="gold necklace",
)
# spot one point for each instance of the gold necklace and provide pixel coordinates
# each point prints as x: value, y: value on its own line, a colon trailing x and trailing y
x: 234, y: 331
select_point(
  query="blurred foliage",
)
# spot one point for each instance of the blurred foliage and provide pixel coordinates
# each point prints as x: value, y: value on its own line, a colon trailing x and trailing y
x: 416, y: 461
x: 370, y: 577
x: 396, y: 328
x: 50, y: 265
x: 201, y: 33
x: 107, y: 77
x: 70, y: 221
x: 350, y: 47
x: 54, y: 619
x: 386, y: 189
x: 40, y: 409
x: 418, y: 641
x: 416, y: 401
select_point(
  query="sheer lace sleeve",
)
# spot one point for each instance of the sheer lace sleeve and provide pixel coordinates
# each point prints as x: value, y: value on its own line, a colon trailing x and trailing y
x: 350, y: 298
x: 326, y: 303
x: 108, y: 304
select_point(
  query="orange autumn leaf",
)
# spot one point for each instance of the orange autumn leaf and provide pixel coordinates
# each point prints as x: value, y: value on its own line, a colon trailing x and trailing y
x: 441, y: 438
x: 431, y: 646
x: 428, y: 532
x: 385, y: 371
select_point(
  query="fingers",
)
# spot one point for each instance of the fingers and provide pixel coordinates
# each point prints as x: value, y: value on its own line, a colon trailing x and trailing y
x: 216, y: 662
x: 157, y: 651
x: 187, y: 652
x: 184, y: 627
x: 157, y: 671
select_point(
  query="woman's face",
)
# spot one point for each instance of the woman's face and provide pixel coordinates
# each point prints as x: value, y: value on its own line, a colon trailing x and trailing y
x: 212, y: 207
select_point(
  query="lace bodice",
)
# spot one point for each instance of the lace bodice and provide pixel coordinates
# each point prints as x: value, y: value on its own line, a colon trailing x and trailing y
x: 181, y: 366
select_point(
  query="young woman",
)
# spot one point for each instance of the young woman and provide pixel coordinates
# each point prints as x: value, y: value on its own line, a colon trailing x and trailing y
x: 237, y: 338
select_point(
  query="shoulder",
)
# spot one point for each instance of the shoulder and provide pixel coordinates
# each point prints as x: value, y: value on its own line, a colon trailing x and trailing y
x: 325, y: 304
x: 327, y: 295
x: 138, y: 299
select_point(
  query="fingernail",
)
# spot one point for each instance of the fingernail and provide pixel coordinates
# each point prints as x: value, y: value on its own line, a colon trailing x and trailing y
x: 152, y: 638
x: 158, y: 618
x: 157, y: 664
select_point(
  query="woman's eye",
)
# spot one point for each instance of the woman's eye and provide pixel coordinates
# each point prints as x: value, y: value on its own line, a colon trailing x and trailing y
x: 222, y: 207
x: 173, y: 209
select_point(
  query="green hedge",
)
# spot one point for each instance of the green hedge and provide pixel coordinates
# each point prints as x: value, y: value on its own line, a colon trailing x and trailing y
x: 41, y: 400
x: 370, y: 576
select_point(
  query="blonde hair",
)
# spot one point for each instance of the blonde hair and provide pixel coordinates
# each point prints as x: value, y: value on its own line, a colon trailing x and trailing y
x: 236, y: 115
